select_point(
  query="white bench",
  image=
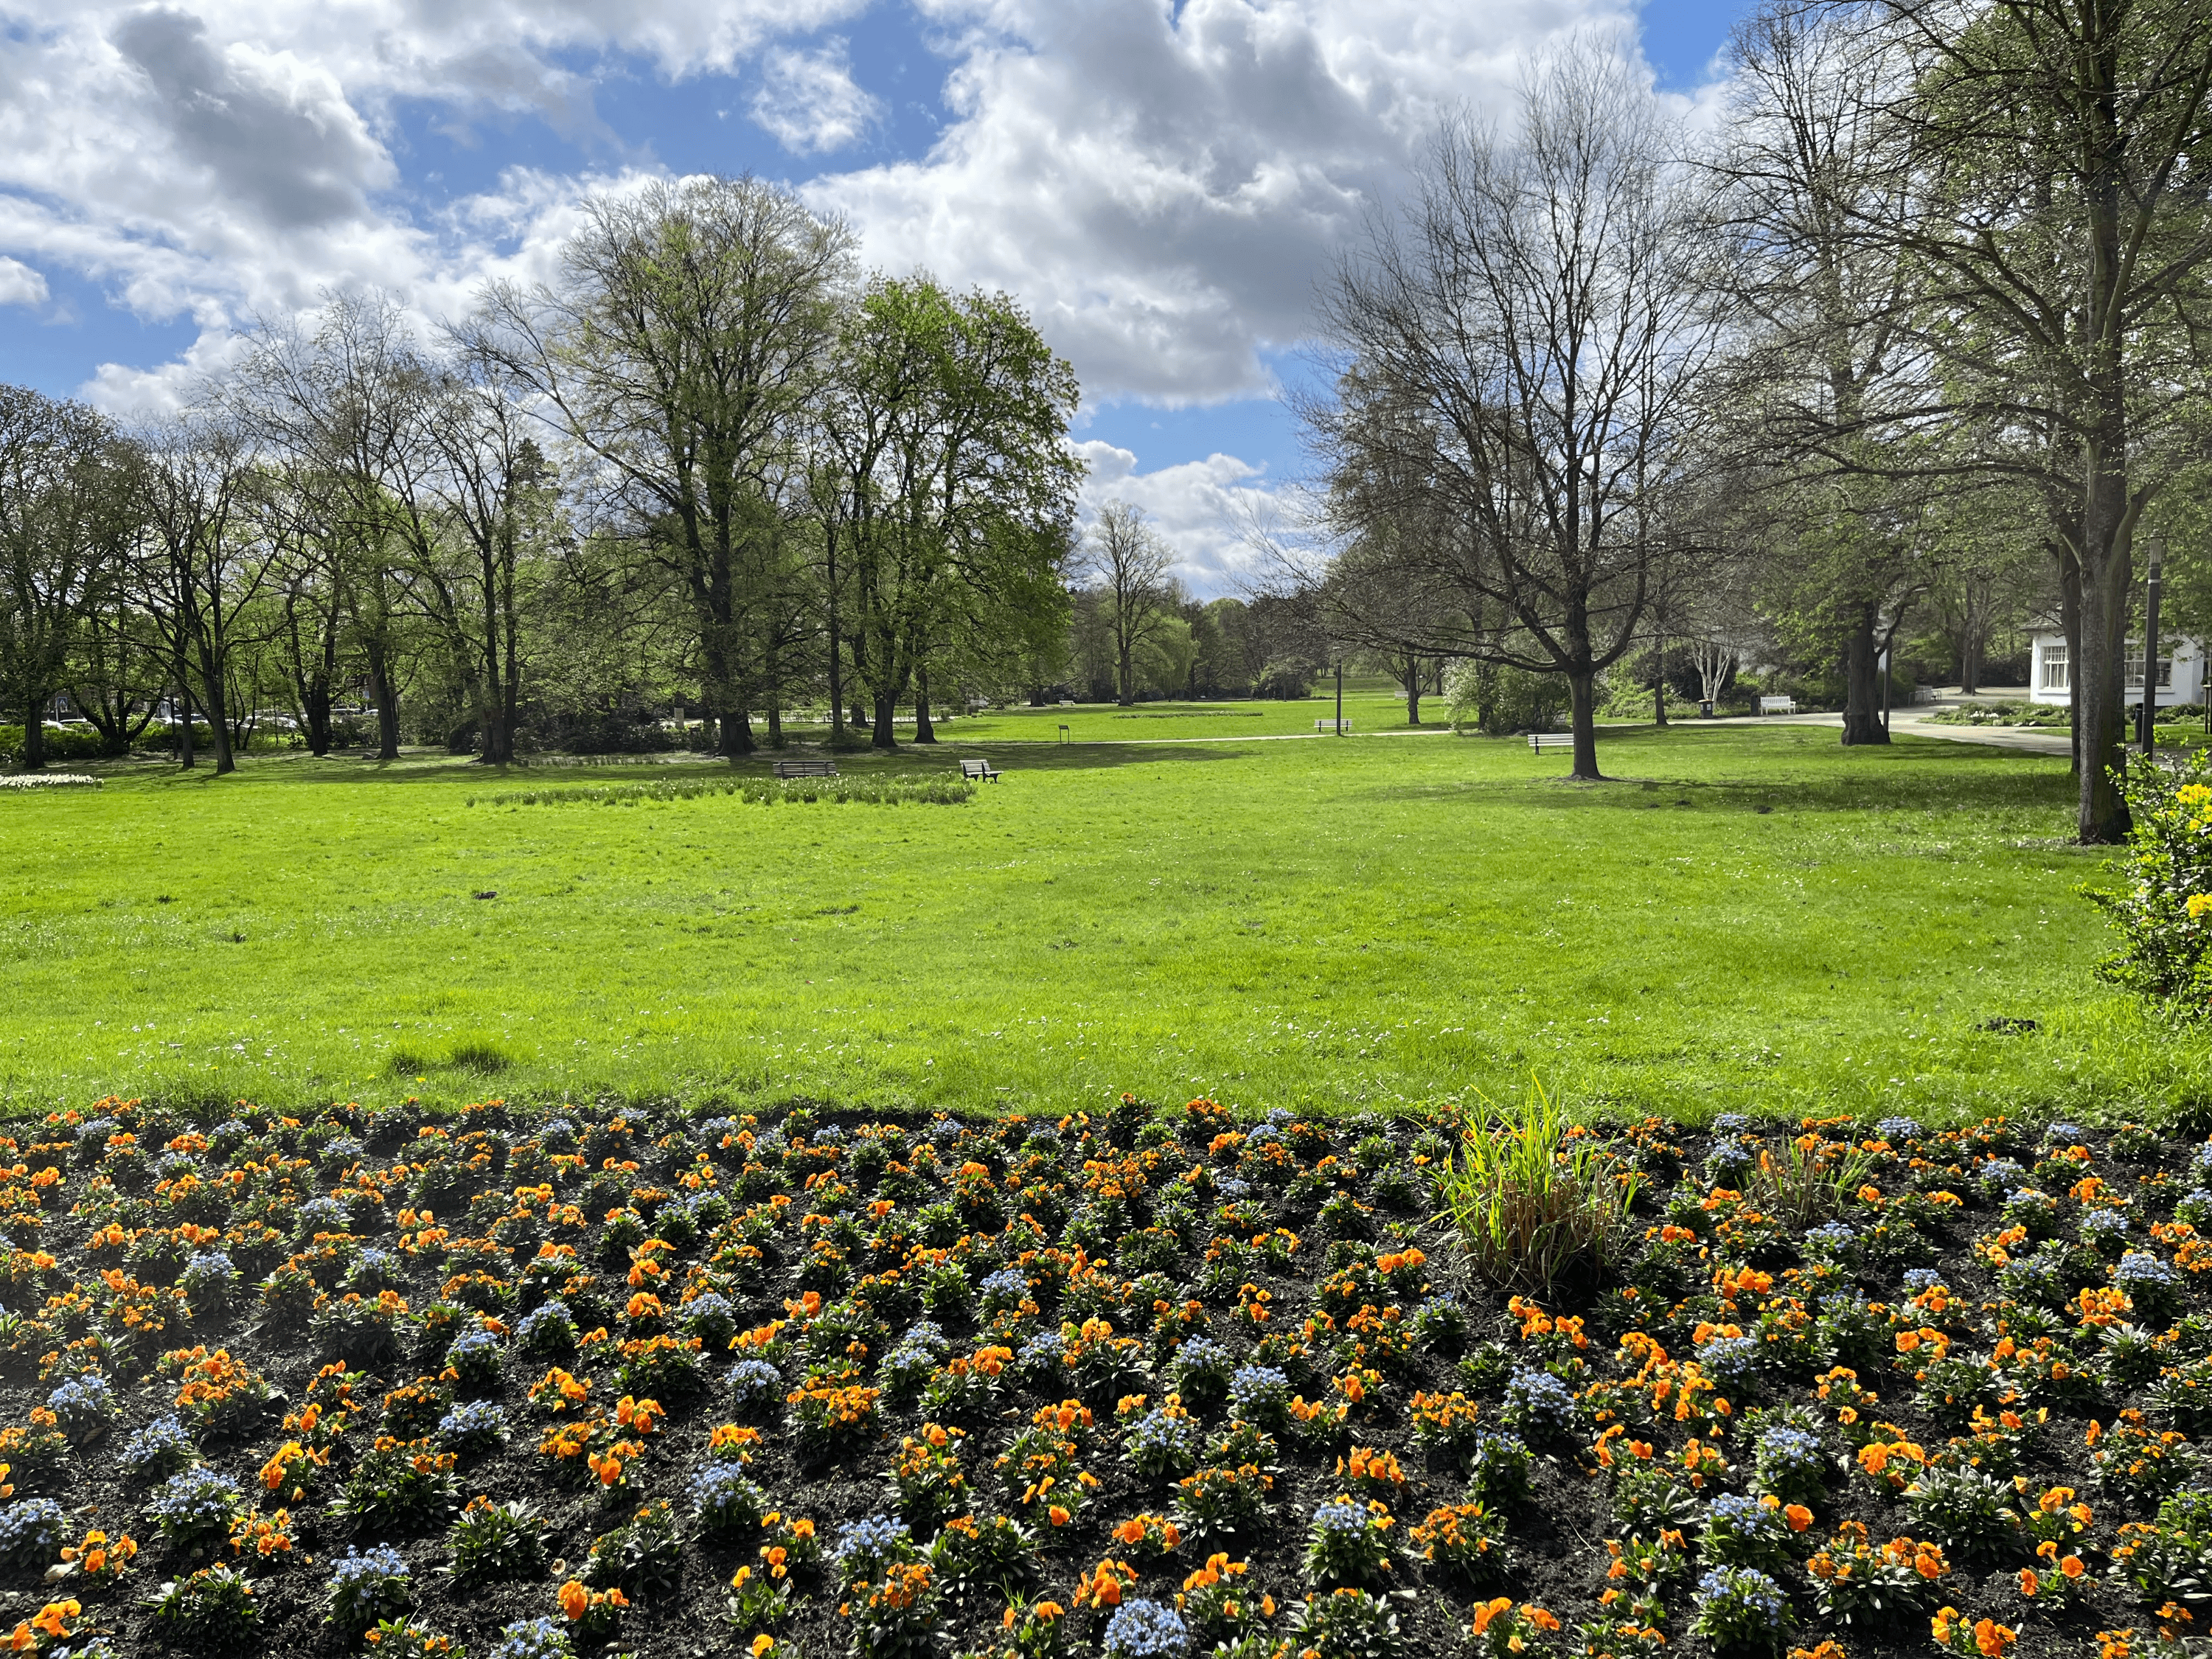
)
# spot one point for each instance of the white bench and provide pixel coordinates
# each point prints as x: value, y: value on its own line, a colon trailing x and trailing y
x: 979, y: 771
x: 1331, y: 726
x: 1542, y: 742
x: 1777, y: 705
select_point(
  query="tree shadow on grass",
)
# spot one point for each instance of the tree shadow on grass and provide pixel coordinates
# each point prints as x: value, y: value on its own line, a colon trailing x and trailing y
x: 1923, y: 775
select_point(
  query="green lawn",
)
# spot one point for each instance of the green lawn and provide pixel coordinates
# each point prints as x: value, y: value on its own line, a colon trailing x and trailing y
x: 1752, y: 918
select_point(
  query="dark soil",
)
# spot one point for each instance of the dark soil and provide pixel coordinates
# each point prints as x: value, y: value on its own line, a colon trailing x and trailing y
x: 118, y: 1208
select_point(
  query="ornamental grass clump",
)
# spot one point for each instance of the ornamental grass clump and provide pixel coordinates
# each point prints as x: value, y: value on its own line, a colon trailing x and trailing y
x: 1531, y: 1205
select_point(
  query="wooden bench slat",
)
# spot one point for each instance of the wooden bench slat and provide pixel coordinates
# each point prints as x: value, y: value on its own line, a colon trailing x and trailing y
x: 806, y: 768
x: 979, y: 769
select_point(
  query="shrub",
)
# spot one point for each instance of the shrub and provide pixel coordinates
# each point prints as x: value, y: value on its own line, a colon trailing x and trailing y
x: 2166, y: 869
x: 1529, y: 1204
x: 1347, y: 1544
x: 1740, y: 1610
x: 489, y: 1540
x: 365, y: 1589
x: 212, y: 1606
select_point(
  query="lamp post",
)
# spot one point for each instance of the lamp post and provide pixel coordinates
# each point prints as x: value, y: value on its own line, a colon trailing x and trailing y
x: 2147, y: 729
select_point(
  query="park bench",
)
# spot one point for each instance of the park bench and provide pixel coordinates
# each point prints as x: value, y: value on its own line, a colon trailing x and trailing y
x: 1331, y: 726
x: 979, y: 771
x: 806, y: 768
x: 1777, y: 705
x: 1543, y: 741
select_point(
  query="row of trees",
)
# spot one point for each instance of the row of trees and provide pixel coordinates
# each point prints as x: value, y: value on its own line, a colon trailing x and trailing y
x: 1919, y: 333
x: 709, y: 464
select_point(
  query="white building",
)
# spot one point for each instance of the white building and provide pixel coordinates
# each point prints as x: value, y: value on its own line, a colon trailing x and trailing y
x: 2180, y: 670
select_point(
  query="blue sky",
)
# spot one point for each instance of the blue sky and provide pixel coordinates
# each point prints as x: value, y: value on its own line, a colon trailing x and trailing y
x: 1159, y: 182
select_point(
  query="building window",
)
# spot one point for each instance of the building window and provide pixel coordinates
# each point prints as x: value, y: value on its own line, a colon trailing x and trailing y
x: 2054, y: 668
x: 2134, y: 673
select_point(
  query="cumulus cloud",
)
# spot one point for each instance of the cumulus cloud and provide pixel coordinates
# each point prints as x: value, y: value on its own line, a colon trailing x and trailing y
x: 809, y: 102
x: 20, y: 285
x: 1160, y: 183
x: 1207, y: 510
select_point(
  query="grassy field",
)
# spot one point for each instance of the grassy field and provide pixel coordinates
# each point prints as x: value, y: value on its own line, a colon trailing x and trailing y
x: 1750, y: 918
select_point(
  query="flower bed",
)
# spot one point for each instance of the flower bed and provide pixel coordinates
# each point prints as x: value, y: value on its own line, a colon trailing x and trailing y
x: 1134, y: 1383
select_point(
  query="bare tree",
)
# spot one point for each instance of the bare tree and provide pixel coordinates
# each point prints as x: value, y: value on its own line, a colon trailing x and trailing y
x: 1129, y: 562
x: 1521, y: 351
x: 1821, y: 398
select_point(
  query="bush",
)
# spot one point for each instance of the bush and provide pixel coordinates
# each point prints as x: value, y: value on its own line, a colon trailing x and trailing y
x: 2163, y: 911
x: 1499, y: 701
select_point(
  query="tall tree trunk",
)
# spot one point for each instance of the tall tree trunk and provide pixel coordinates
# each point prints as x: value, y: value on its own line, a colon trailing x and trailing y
x: 34, y: 734
x: 1970, y: 663
x: 738, y: 733
x: 218, y: 707
x: 1582, y: 703
x: 2102, y: 699
x: 1413, y: 690
x: 383, y: 687
x: 1124, y: 674
x: 2070, y: 625
x: 1862, y: 680
x: 185, y: 759
x: 884, y: 736
x: 924, y: 732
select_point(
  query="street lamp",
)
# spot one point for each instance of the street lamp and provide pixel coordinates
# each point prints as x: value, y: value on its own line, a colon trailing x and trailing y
x: 2147, y: 717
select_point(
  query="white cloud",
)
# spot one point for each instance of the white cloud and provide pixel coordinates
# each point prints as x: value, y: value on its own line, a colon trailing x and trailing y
x: 809, y: 102
x: 20, y: 285
x: 1162, y: 185
x: 1204, y: 510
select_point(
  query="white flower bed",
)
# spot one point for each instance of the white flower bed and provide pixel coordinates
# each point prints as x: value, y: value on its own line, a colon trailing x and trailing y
x: 50, y: 781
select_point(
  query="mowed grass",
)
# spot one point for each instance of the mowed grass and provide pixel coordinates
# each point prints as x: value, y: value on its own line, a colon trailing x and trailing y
x: 1750, y: 919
